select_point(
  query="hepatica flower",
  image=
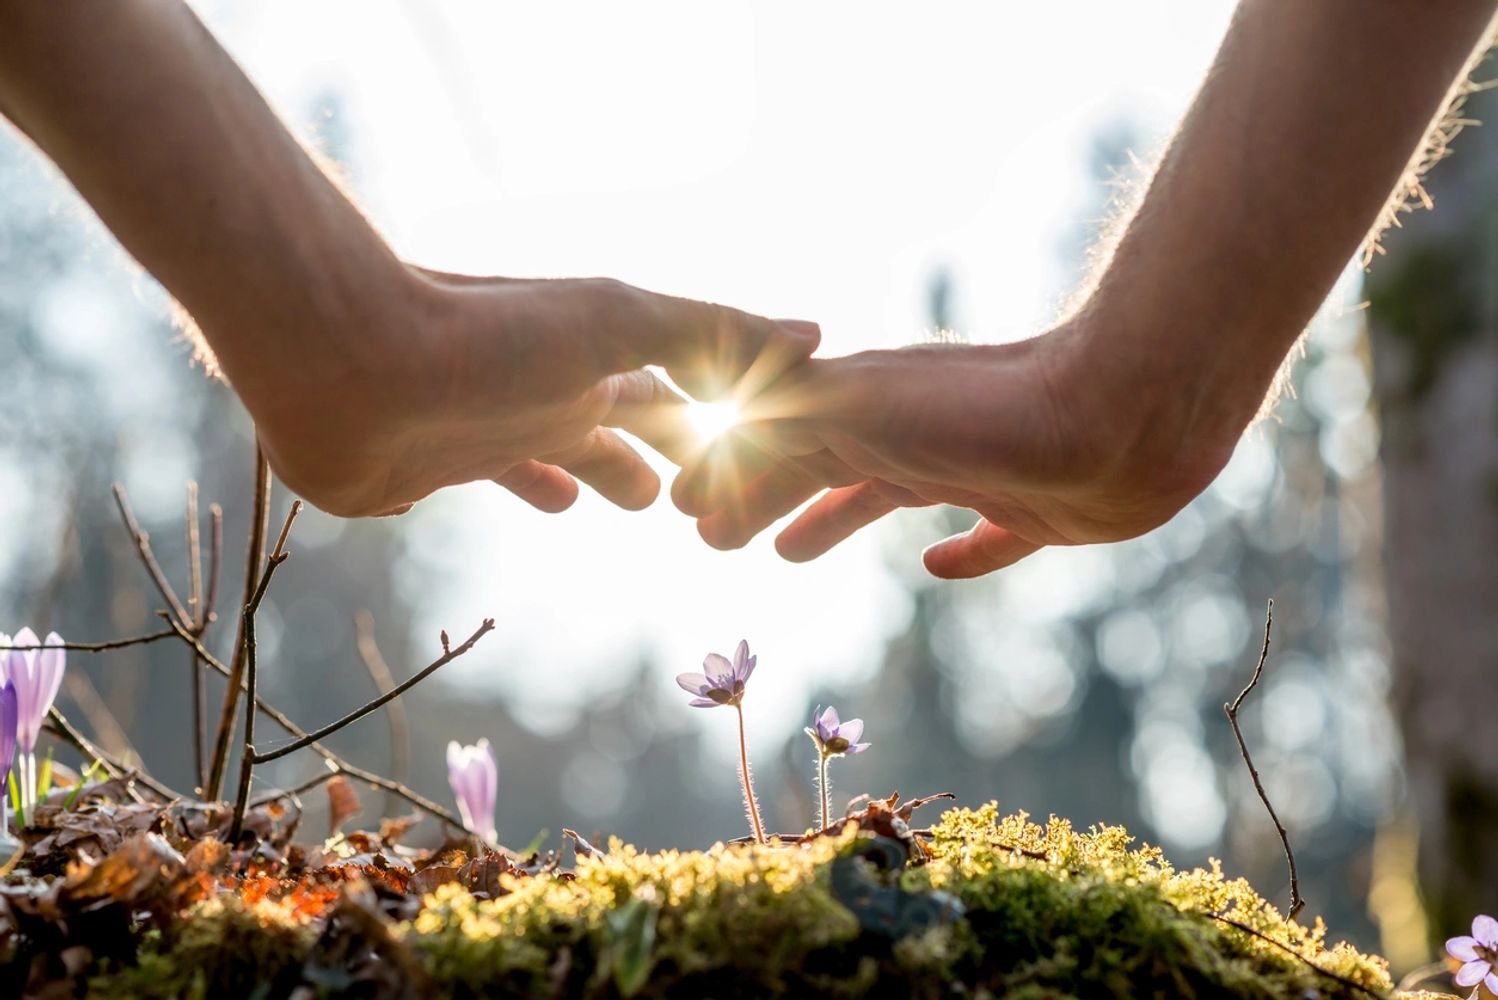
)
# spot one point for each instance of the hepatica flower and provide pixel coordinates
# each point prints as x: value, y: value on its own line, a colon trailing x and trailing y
x: 36, y: 675
x: 1478, y: 954
x: 722, y: 683
x: 833, y: 738
x: 475, y: 781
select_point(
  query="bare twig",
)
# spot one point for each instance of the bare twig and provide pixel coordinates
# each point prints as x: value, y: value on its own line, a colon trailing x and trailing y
x: 194, y: 556
x: 1296, y: 903
x: 215, y: 556
x: 374, y: 705
x: 147, y: 557
x: 113, y: 767
x: 281, y: 719
x: 197, y: 705
x: 1328, y: 973
x: 384, y: 682
x: 254, y: 555
x: 100, y: 647
x: 247, y: 629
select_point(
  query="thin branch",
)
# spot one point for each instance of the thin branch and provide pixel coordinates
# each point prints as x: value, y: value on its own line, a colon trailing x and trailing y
x: 194, y: 556
x: 332, y: 771
x: 247, y: 629
x: 114, y: 768
x: 1328, y: 973
x: 1296, y: 903
x: 384, y: 682
x: 374, y: 705
x: 147, y: 557
x: 215, y: 556
x: 100, y: 647
x: 254, y: 555
x: 198, y: 705
x: 281, y: 719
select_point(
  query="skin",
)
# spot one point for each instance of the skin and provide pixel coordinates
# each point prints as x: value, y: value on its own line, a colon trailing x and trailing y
x: 1104, y: 427
x: 371, y: 382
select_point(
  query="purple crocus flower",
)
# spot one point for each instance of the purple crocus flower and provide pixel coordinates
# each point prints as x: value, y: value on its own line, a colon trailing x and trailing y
x: 36, y: 674
x: 7, y: 744
x: 834, y: 737
x: 721, y: 682
x: 475, y: 782
x: 1478, y: 954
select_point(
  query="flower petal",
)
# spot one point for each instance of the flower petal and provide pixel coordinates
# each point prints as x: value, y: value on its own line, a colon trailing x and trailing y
x: 717, y: 665
x: 852, y: 730
x: 1491, y: 982
x: 1472, y: 973
x: 858, y: 748
x: 1485, y: 929
x: 703, y: 703
x: 693, y: 683
x: 1463, y: 949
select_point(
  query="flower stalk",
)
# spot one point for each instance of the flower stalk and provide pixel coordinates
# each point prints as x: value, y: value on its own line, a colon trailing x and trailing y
x: 833, y: 738
x: 722, y: 682
x: 751, y: 806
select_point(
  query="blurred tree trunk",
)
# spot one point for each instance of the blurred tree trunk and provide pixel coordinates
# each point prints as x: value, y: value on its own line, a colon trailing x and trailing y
x: 1433, y: 317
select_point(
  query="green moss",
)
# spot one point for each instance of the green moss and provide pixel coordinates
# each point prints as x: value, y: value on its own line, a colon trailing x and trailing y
x: 1093, y: 918
x: 220, y: 948
x: 1047, y: 913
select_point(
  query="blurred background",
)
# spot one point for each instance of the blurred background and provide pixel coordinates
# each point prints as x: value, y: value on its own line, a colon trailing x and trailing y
x: 887, y: 174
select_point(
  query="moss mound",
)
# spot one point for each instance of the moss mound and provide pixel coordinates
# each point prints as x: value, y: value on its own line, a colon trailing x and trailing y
x: 998, y: 907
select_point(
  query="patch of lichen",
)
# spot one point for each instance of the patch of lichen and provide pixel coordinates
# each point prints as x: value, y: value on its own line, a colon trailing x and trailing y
x: 1093, y: 917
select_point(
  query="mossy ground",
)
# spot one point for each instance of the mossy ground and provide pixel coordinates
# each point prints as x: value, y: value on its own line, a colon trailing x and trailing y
x: 1049, y: 912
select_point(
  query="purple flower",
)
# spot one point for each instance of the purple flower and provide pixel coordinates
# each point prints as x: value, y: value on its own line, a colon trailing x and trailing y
x: 475, y: 781
x: 721, y: 683
x: 36, y: 674
x: 834, y: 737
x: 7, y: 734
x: 1478, y: 954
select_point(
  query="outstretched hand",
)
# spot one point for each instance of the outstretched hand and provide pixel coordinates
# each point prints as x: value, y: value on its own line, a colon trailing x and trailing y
x: 1032, y: 436
x: 519, y: 381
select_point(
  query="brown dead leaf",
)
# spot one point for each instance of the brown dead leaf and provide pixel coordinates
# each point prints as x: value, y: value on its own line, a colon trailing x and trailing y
x: 343, y: 803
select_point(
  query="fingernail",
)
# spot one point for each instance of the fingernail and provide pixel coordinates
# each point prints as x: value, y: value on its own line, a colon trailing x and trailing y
x: 802, y: 328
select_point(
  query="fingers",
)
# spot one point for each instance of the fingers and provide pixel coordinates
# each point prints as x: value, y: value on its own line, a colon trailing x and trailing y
x: 545, y: 487
x: 646, y: 407
x: 763, y: 502
x: 983, y: 549
x: 838, y: 515
x: 733, y: 520
x: 613, y: 468
x: 709, y: 349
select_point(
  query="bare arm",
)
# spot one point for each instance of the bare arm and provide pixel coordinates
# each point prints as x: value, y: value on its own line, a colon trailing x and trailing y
x: 371, y: 382
x: 1107, y: 425
x: 1306, y: 122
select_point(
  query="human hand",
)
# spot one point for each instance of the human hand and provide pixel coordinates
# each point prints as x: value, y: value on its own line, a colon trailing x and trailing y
x: 453, y: 379
x: 1041, y: 438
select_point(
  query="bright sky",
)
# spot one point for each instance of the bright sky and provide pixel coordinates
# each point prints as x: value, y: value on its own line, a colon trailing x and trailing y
x: 816, y: 161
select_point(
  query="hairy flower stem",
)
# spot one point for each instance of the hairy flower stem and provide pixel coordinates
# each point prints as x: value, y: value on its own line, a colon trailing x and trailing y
x: 749, y: 803
x: 823, y: 789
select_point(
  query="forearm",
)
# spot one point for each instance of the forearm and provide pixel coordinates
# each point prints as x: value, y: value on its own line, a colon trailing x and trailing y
x: 1305, y: 124
x: 182, y: 158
